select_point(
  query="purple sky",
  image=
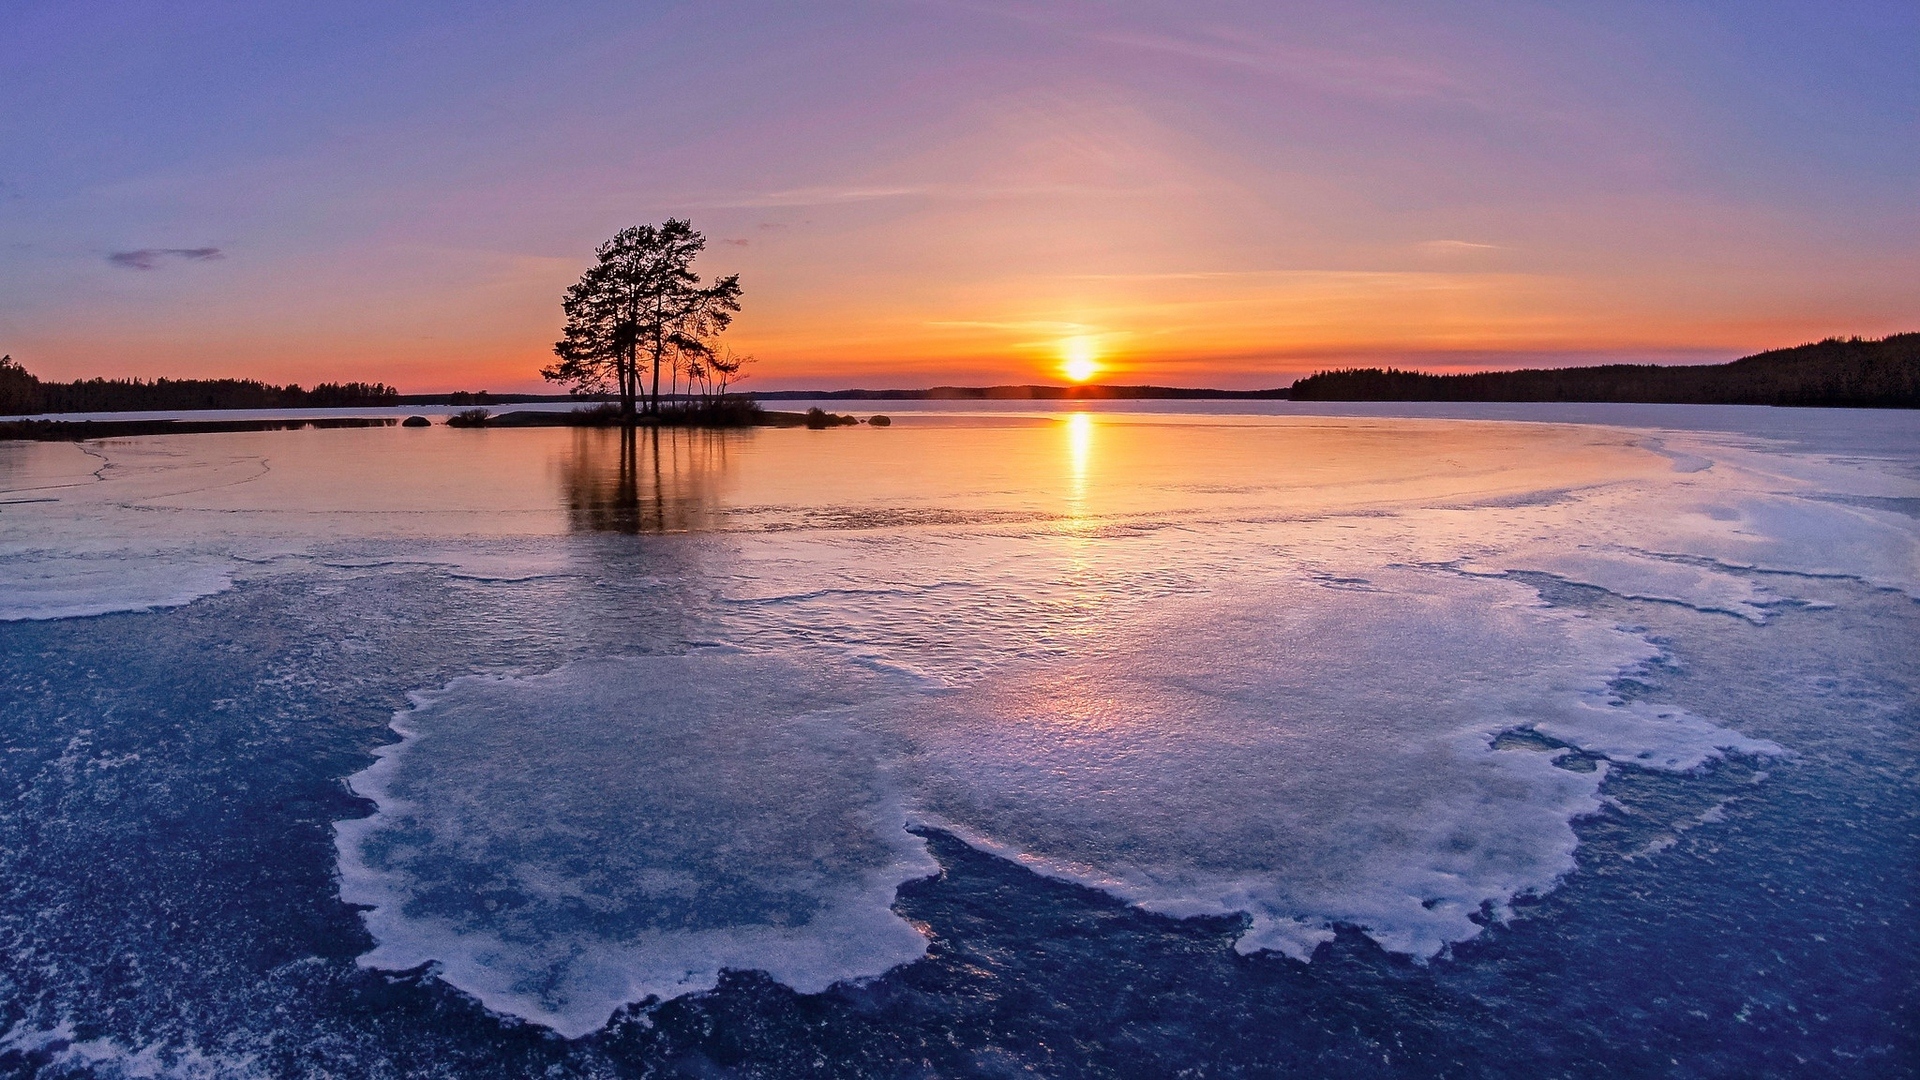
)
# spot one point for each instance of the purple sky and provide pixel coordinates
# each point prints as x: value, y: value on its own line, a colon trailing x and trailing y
x: 920, y: 192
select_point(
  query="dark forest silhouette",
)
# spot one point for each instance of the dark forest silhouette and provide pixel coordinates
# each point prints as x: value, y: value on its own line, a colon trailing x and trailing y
x: 1835, y: 372
x: 21, y: 393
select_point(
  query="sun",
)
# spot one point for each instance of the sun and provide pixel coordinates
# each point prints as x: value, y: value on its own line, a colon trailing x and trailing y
x: 1079, y: 352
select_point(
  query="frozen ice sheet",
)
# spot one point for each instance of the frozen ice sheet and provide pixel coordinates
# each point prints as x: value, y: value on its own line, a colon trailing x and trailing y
x: 1310, y: 756
x: 48, y: 586
x: 561, y: 845
x: 1248, y: 663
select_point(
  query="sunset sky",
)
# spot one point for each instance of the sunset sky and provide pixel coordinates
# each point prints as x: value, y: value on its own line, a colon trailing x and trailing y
x: 915, y: 193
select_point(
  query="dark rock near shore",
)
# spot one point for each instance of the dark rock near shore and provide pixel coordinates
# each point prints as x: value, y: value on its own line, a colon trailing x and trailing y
x: 416, y: 421
x: 818, y: 419
x: 815, y: 419
x: 532, y: 418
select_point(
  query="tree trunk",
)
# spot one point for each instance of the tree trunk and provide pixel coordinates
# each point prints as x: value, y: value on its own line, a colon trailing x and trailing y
x: 654, y: 404
x: 627, y: 380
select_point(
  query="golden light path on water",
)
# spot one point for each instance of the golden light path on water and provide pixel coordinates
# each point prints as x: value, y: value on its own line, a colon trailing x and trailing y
x: 1080, y: 447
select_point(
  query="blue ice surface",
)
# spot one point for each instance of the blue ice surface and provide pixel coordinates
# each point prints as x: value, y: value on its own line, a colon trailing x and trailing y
x: 166, y: 892
x: 171, y: 891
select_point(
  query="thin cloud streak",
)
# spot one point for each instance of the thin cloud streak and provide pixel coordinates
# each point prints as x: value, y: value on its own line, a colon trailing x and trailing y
x: 815, y: 196
x: 1448, y: 247
x: 152, y: 258
x: 836, y: 196
x: 981, y: 324
x: 1366, y: 77
x: 1347, y: 73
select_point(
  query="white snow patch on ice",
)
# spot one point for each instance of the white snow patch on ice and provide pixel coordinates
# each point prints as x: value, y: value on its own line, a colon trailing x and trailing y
x: 564, y: 844
x: 1308, y: 756
x: 1649, y: 735
x: 49, y: 586
x: 1638, y: 575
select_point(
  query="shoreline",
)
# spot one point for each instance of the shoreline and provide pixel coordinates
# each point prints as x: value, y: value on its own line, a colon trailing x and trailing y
x: 48, y: 430
x: 1835, y: 428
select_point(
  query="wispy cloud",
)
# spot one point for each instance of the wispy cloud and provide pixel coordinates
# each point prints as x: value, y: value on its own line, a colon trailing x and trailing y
x: 837, y: 196
x: 1025, y: 325
x: 815, y: 196
x: 1370, y: 73
x: 1381, y: 77
x: 1182, y: 275
x: 1441, y: 247
x: 151, y: 258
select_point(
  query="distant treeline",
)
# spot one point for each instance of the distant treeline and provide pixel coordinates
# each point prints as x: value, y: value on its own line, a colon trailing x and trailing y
x: 21, y: 393
x: 1837, y: 372
x: 488, y: 397
x: 1016, y: 393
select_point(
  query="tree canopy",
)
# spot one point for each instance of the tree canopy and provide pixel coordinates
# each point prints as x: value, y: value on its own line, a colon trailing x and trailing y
x: 21, y: 392
x: 640, y: 307
x: 1834, y: 372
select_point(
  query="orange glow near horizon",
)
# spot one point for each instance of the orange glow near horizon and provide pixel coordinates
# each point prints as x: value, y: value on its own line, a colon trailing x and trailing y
x: 1243, y: 330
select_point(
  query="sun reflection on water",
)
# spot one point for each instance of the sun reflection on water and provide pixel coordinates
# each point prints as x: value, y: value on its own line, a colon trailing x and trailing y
x: 1079, y: 568
x: 1079, y: 454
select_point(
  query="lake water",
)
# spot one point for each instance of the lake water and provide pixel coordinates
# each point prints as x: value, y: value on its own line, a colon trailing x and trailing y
x: 1156, y: 739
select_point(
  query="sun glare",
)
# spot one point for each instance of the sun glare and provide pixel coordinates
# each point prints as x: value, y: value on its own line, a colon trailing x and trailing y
x: 1080, y: 365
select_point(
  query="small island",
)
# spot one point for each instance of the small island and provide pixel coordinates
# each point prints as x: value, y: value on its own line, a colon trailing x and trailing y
x: 729, y: 413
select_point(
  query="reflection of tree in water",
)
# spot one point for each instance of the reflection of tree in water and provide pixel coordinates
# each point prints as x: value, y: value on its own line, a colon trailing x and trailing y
x: 645, y: 480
